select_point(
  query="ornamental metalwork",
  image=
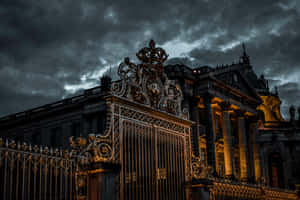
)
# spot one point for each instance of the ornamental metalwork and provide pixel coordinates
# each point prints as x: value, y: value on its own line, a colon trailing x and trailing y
x: 146, y: 83
x: 35, y: 172
x: 199, y: 169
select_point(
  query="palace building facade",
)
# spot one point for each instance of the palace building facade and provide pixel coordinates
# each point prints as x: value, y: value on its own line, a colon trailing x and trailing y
x: 160, y: 132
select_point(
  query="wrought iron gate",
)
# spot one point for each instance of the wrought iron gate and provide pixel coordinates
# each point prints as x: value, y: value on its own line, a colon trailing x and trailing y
x: 153, y: 163
x: 31, y: 172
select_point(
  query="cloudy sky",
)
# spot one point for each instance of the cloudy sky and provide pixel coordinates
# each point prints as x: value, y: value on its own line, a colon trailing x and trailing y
x: 52, y: 49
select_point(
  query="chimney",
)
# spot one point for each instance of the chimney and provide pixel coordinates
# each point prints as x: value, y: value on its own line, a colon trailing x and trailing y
x: 105, y: 83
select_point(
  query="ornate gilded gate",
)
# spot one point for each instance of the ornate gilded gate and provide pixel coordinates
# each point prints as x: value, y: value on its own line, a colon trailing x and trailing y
x: 153, y: 162
x: 32, y: 172
x: 152, y: 131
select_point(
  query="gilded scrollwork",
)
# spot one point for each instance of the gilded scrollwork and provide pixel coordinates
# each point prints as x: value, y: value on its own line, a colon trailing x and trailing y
x: 146, y: 83
x: 96, y: 149
x: 199, y: 169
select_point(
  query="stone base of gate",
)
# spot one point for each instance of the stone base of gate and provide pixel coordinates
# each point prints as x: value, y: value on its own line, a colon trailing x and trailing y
x: 102, y: 181
x: 214, y: 188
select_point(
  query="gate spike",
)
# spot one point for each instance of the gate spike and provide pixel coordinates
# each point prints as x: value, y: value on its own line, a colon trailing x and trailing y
x: 18, y: 145
x: 6, y: 143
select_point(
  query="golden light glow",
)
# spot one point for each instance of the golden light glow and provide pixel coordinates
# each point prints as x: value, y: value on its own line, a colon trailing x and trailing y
x: 271, y: 108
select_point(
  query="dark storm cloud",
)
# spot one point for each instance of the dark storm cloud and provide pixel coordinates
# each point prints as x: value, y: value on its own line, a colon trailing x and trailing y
x: 49, y: 49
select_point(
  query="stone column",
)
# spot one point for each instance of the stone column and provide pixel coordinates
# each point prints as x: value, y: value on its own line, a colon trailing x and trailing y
x: 210, y: 135
x: 95, y: 185
x: 226, y: 129
x: 242, y: 145
x: 256, y: 155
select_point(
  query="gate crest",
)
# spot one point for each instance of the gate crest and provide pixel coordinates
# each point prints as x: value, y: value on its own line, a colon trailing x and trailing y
x: 146, y: 83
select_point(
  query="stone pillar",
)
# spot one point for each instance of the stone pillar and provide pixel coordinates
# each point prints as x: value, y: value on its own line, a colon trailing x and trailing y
x: 256, y: 155
x: 226, y: 129
x: 242, y: 145
x: 210, y: 135
x: 95, y: 185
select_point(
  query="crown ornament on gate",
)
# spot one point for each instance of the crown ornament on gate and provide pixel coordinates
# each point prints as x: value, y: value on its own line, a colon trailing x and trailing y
x: 147, y: 84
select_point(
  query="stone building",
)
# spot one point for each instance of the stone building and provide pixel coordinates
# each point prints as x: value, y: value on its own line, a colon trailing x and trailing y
x: 173, y: 132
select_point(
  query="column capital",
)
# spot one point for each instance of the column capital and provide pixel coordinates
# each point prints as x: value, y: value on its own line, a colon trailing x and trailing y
x: 225, y: 105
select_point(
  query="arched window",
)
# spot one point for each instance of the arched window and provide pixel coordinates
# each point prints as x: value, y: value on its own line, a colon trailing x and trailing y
x: 275, y: 170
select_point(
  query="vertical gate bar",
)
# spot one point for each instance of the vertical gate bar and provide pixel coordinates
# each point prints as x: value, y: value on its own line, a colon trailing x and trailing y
x: 5, y: 174
x: 148, y: 165
x: 124, y: 163
x: 29, y: 174
x: 132, y: 172
x: 66, y: 179
x: 17, y: 176
x: 177, y: 167
x: 169, y: 165
x: 135, y: 162
x: 55, y: 174
x: 146, y: 150
x: 183, y: 164
x: 150, y: 161
x: 143, y: 161
x: 23, y: 176
x: 156, y: 159
x: 50, y: 176
x: 130, y: 148
x: 139, y: 161
x: 172, y: 159
x: 153, y: 163
x: 162, y: 158
x: 71, y: 174
x: 46, y: 165
x: 34, y: 179
x: 158, y: 139
x: 11, y: 174
x: 157, y: 164
x: 176, y: 187
x: 127, y: 168
x: 130, y: 189
x: 173, y: 167
x: 169, y: 161
x: 133, y: 159
x: 60, y: 175
x: 40, y: 186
